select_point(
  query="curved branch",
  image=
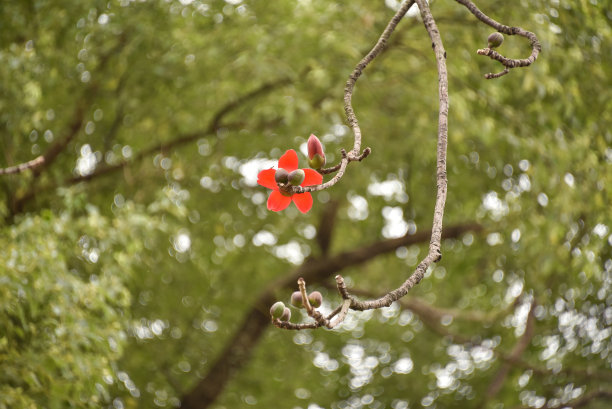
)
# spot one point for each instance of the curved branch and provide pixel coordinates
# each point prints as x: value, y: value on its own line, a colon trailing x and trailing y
x: 434, y: 253
x: 350, y: 83
x: 246, y: 336
x: 508, y: 63
x: 355, y: 154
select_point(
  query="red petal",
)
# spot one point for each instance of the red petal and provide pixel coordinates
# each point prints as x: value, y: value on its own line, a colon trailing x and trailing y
x: 303, y: 201
x: 277, y: 201
x: 312, y: 177
x: 289, y: 161
x: 266, y: 178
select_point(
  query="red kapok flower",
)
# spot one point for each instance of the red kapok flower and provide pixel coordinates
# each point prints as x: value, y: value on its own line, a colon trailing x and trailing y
x: 280, y: 200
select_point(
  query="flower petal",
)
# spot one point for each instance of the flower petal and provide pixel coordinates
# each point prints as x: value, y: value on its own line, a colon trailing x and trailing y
x: 289, y: 161
x: 277, y: 201
x: 303, y: 201
x: 312, y: 178
x: 266, y: 178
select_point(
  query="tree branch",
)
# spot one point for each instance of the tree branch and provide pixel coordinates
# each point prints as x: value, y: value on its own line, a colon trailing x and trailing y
x: 508, y: 63
x: 355, y: 154
x: 578, y: 402
x: 257, y: 319
x: 326, y: 226
x: 76, y: 122
x: 211, y: 129
x: 521, y: 345
x: 23, y: 166
x: 434, y: 253
x: 213, y: 126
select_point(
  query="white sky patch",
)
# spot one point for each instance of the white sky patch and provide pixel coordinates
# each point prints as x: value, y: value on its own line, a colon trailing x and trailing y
x: 543, y: 199
x: 569, y: 179
x: 264, y: 237
x: 494, y: 205
x: 86, y: 163
x: 601, y: 230
x: 304, y: 149
x: 182, y: 242
x: 516, y: 235
x: 395, y: 5
x: 403, y: 366
x: 292, y: 252
x: 251, y: 168
x: 445, y: 378
x: 494, y: 239
x: 389, y: 189
x: 524, y: 183
x: 359, y: 208
x: 395, y: 225
x: 514, y: 289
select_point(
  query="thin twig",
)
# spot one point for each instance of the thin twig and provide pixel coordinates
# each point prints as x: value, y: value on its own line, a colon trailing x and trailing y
x: 434, y: 253
x: 23, y: 166
x: 355, y: 154
x: 508, y: 63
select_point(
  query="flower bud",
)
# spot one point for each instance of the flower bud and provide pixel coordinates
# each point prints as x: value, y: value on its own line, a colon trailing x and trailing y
x: 286, y: 315
x: 281, y: 175
x: 277, y: 310
x: 296, y: 177
x: 315, y: 298
x: 495, y: 40
x: 316, y: 156
x: 296, y: 299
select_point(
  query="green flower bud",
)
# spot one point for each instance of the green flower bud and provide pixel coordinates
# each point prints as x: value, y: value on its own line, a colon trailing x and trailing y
x: 296, y: 299
x: 281, y: 175
x: 286, y: 315
x: 296, y: 177
x: 277, y: 310
x: 495, y: 40
x: 315, y: 298
x: 317, y: 161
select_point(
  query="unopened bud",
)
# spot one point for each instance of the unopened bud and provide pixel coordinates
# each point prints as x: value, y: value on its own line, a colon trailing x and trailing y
x: 296, y: 177
x: 315, y: 298
x: 316, y: 156
x: 281, y: 175
x: 495, y: 40
x: 317, y: 161
x: 277, y: 310
x: 286, y: 315
x: 296, y: 299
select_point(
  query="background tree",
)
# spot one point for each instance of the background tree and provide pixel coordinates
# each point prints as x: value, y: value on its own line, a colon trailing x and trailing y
x: 139, y: 261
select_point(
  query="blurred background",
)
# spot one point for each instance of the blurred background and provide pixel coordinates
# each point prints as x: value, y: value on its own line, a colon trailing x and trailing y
x: 138, y: 262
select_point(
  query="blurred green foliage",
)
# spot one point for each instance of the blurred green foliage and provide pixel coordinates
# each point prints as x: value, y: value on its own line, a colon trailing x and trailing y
x: 121, y: 290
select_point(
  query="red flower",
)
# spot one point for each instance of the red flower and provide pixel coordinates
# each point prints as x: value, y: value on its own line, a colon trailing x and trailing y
x: 280, y: 200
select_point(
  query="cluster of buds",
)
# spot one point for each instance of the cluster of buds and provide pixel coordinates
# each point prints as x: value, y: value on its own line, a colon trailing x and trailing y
x: 278, y: 310
x: 281, y: 312
x: 294, y: 178
x: 314, y: 298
